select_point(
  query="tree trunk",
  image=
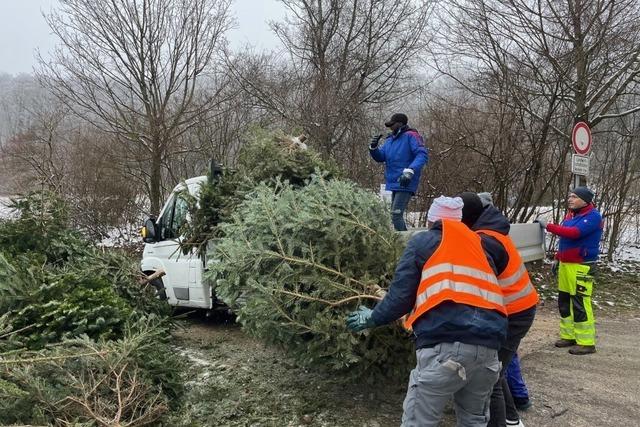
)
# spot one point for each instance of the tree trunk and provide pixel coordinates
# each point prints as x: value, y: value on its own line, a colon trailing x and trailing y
x: 155, y: 193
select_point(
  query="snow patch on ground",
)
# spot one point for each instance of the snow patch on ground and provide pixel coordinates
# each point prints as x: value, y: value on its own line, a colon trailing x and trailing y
x: 196, y: 357
x: 5, y: 211
x: 121, y: 237
x: 201, y: 368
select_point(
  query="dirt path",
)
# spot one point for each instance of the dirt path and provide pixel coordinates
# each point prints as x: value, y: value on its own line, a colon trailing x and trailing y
x: 601, y: 389
x: 238, y: 381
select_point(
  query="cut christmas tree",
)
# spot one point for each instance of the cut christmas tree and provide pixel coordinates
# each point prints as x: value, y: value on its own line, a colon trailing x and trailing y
x: 265, y: 157
x: 294, y: 262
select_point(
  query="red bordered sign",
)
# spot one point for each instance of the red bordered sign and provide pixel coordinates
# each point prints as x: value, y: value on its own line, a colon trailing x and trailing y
x: 581, y: 138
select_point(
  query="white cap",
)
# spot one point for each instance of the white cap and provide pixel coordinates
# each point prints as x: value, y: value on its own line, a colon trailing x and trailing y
x: 445, y: 208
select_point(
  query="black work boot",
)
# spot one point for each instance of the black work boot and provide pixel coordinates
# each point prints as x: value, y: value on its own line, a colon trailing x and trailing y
x: 582, y: 349
x: 561, y: 343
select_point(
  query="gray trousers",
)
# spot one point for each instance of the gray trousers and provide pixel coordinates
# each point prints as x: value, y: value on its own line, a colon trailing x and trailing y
x: 465, y: 372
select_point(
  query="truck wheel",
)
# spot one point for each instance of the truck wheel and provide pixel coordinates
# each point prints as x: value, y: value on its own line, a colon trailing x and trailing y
x: 161, y: 293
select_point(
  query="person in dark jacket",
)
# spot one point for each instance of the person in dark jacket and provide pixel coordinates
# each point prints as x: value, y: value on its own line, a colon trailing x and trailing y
x: 521, y: 297
x: 456, y: 342
x: 578, y: 250
x: 404, y: 155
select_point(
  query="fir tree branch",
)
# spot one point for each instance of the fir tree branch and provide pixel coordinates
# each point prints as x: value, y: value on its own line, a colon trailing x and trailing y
x: 8, y: 334
x: 365, y: 226
x: 286, y: 316
x: 321, y: 267
x: 49, y: 359
x: 328, y: 302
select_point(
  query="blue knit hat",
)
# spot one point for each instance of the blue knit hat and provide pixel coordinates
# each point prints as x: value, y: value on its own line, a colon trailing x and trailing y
x: 584, y: 193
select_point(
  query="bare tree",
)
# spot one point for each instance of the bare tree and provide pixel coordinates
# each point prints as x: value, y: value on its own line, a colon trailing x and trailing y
x: 552, y: 63
x: 343, y: 59
x: 132, y: 67
x: 617, y: 177
x: 34, y: 153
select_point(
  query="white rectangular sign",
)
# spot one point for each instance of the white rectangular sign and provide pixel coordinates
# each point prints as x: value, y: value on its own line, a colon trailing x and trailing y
x: 580, y: 164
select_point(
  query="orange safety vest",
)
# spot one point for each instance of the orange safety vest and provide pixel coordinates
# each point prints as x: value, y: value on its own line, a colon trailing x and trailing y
x: 457, y: 271
x: 519, y: 293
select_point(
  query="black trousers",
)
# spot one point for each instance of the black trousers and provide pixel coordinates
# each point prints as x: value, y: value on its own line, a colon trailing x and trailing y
x: 502, y: 406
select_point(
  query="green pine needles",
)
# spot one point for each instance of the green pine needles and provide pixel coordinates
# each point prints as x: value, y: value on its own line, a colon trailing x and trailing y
x: 81, y: 342
x: 266, y: 157
x: 294, y: 261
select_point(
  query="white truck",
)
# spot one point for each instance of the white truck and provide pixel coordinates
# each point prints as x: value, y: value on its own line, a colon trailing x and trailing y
x: 183, y: 283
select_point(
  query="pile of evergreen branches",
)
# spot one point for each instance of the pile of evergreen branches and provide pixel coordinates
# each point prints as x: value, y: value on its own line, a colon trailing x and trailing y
x: 80, y: 340
x: 295, y: 248
x: 265, y: 157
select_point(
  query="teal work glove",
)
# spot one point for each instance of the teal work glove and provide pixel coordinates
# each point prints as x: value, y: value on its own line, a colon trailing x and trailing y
x: 360, y: 319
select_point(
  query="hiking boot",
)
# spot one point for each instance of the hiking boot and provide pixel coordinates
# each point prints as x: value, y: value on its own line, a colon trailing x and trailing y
x: 561, y: 343
x: 582, y: 349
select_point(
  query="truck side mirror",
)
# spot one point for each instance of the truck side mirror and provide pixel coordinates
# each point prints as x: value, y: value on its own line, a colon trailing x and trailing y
x: 148, y: 231
x: 215, y: 171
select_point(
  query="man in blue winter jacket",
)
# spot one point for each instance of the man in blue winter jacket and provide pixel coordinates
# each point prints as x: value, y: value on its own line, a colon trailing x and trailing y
x: 577, y: 255
x: 404, y: 155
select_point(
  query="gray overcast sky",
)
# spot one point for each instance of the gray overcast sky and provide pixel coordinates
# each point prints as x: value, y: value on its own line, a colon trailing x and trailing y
x: 23, y: 29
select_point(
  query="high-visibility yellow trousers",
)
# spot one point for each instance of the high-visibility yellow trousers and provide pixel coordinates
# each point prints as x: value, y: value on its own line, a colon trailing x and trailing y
x: 575, y: 285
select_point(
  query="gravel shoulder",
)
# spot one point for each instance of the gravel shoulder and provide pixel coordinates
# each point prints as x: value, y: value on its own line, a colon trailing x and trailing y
x: 238, y: 381
x: 600, y: 389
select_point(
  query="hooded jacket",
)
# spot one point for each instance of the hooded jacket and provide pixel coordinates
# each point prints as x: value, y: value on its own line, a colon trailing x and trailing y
x: 402, y: 149
x: 447, y: 322
x: 492, y: 219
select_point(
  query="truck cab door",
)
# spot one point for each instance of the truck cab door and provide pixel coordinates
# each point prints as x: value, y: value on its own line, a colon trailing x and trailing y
x: 182, y: 281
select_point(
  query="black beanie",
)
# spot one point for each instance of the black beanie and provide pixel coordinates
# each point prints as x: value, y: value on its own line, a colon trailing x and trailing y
x: 472, y: 208
x: 584, y: 193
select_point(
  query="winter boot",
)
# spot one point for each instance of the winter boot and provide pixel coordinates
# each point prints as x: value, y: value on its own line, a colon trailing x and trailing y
x: 561, y: 343
x: 582, y: 349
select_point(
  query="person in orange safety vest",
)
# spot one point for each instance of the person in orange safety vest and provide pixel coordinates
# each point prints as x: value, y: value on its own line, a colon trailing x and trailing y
x: 448, y: 287
x: 520, y: 296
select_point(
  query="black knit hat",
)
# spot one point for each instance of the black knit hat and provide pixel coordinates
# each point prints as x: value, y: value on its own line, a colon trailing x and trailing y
x: 584, y: 193
x: 397, y: 118
x: 472, y: 208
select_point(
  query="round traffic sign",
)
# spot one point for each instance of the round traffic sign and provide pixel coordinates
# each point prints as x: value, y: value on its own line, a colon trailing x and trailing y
x: 581, y: 138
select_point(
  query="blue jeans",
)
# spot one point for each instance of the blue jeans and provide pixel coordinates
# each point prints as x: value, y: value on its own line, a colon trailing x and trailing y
x: 399, y: 202
x: 514, y: 378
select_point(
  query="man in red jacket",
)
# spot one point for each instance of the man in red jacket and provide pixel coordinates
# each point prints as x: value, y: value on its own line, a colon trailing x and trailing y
x: 579, y: 234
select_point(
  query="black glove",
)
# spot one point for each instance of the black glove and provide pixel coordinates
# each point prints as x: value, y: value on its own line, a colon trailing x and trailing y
x: 405, y: 178
x: 375, y: 140
x: 554, y: 267
x: 541, y: 222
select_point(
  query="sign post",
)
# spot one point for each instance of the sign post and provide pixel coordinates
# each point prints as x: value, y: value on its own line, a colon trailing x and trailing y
x: 581, y: 140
